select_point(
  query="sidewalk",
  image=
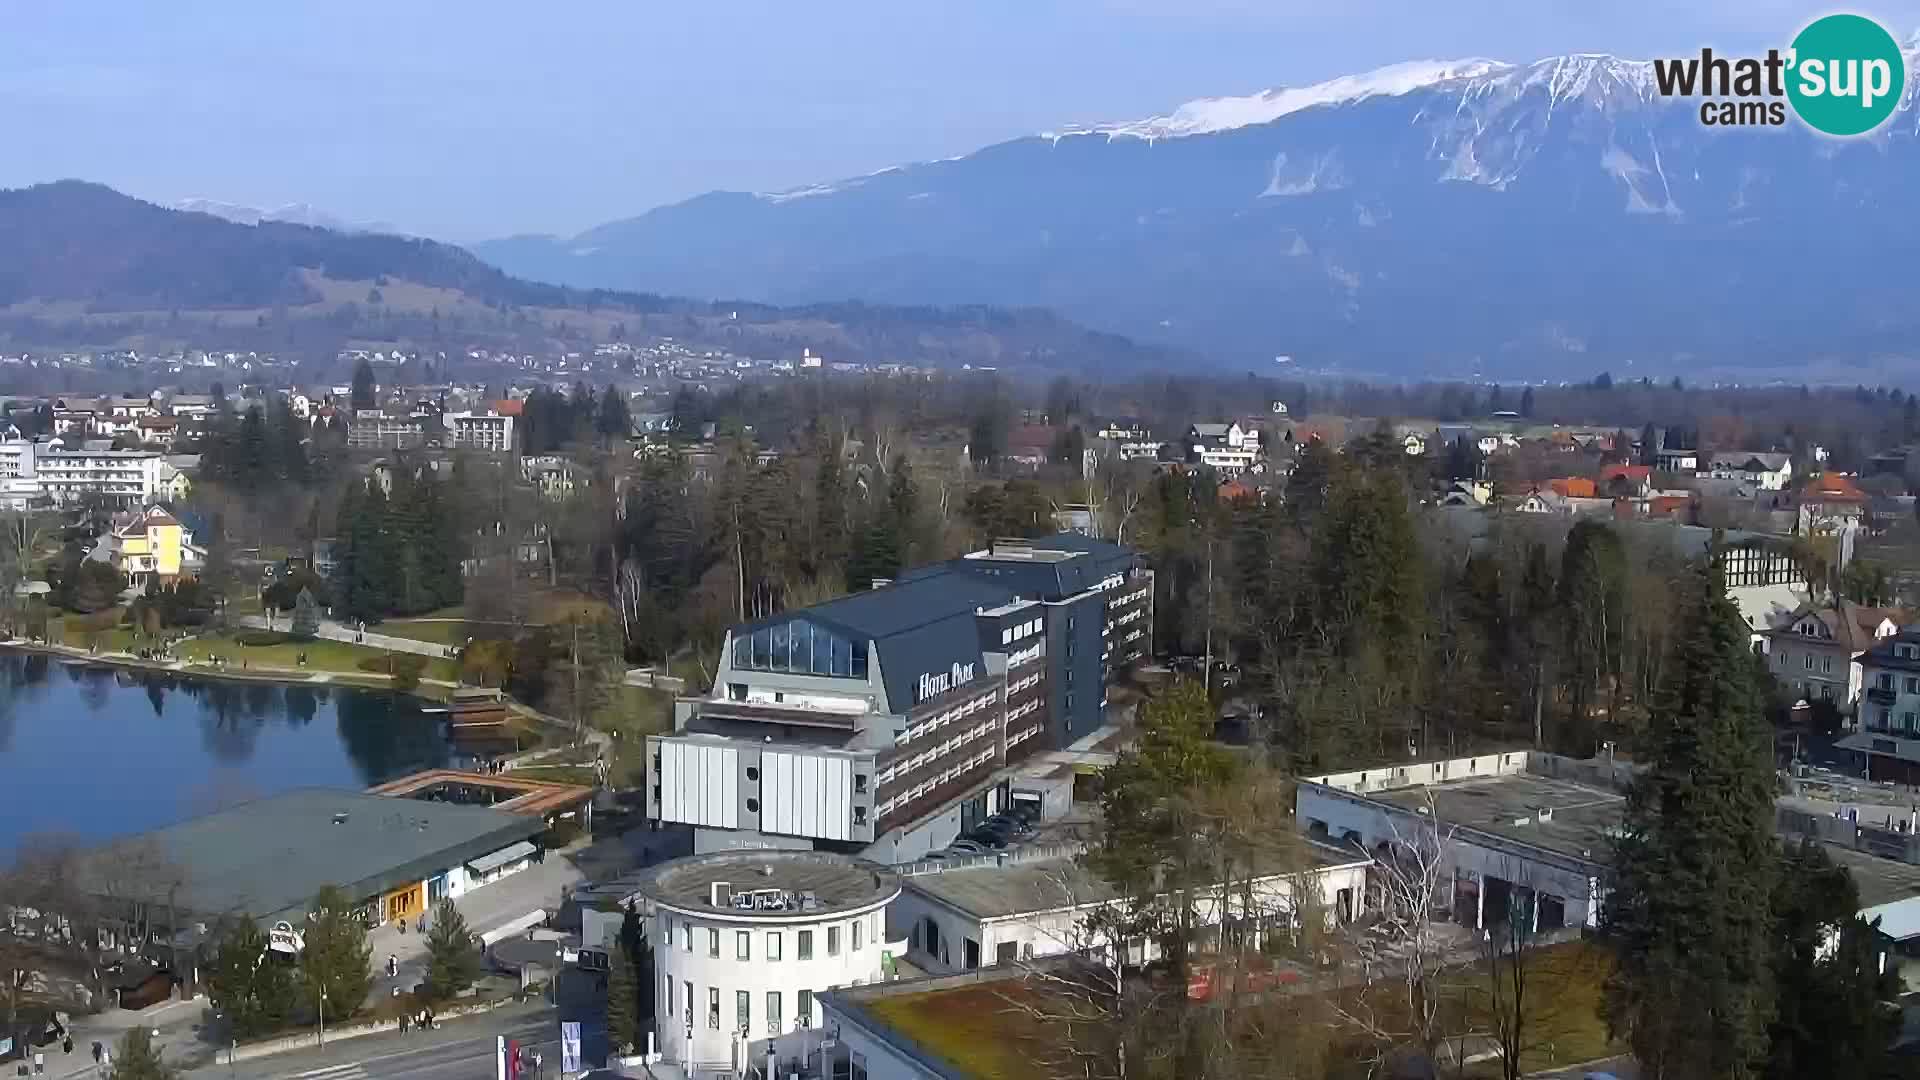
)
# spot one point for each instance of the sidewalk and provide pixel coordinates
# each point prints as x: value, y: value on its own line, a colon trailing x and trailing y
x: 335, y: 631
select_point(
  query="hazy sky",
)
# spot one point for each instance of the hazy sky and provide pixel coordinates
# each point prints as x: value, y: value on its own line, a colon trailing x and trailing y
x: 479, y: 118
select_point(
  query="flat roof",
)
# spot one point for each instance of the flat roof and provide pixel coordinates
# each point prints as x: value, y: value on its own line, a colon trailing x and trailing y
x: 837, y: 882
x: 1581, y: 823
x: 1011, y: 889
x: 1880, y: 881
x: 270, y: 856
x: 527, y: 796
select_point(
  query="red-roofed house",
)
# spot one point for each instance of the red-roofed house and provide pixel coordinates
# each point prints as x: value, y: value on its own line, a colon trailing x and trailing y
x: 1574, y: 487
x: 1830, y: 502
x: 1633, y: 481
x: 508, y: 407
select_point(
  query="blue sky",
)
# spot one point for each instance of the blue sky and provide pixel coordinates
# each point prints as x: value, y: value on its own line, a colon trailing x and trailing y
x: 483, y: 118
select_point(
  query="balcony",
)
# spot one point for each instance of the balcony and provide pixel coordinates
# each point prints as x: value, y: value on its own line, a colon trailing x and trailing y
x: 1881, y: 695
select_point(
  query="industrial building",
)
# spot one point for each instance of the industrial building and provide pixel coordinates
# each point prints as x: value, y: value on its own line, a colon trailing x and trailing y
x: 889, y: 722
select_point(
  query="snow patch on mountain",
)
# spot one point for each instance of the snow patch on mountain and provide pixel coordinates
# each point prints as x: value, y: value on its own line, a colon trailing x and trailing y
x: 1208, y: 115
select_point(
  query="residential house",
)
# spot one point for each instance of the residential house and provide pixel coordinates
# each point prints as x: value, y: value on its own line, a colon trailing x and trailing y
x: 1031, y: 445
x: 1538, y: 501
x: 1467, y: 493
x: 151, y: 544
x: 172, y: 483
x: 192, y: 406
x: 1677, y: 459
x: 1829, y: 503
x: 130, y: 408
x: 1818, y: 651
x: 1227, y: 448
x: 156, y: 430
x: 1574, y: 487
x: 1767, y: 472
x: 1626, y: 481
x: 1889, y: 710
x: 553, y: 475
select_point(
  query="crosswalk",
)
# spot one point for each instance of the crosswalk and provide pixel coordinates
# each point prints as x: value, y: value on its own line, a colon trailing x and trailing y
x: 350, y: 1071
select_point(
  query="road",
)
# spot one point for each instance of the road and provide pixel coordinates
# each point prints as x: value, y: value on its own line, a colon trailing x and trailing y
x: 458, y: 1050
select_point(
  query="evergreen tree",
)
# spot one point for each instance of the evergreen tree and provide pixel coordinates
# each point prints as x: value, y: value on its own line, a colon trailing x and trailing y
x: 1837, y: 1014
x: 1526, y: 403
x: 614, y: 421
x: 363, y: 385
x: 136, y: 1058
x: 1593, y: 599
x: 306, y: 616
x: 248, y: 982
x: 633, y: 938
x: 1694, y: 871
x: 623, y: 996
x: 453, y: 961
x: 253, y: 466
x: 830, y: 546
x: 336, y: 964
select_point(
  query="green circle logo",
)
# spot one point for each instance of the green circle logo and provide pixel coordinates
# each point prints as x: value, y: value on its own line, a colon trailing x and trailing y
x: 1845, y: 75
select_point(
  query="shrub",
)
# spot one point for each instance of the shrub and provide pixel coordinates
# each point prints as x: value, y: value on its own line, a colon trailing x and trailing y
x: 261, y: 638
x: 560, y: 834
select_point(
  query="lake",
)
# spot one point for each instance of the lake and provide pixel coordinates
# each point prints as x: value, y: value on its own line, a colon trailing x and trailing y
x: 103, y: 752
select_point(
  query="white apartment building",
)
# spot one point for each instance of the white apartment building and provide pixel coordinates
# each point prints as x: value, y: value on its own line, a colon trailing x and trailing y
x: 125, y: 476
x: 743, y: 941
x: 1228, y: 448
x: 19, y: 482
x: 487, y: 431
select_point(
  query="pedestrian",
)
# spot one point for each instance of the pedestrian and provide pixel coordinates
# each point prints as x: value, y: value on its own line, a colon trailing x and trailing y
x: 393, y: 965
x: 406, y: 1023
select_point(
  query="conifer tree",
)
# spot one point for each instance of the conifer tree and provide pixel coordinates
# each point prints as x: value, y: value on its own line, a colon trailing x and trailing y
x: 623, y: 1019
x: 136, y: 1058
x: 453, y: 962
x: 336, y: 963
x: 306, y: 616
x: 1690, y: 910
x: 255, y: 990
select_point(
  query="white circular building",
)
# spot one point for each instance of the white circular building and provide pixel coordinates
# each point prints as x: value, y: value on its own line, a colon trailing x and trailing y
x: 743, y: 940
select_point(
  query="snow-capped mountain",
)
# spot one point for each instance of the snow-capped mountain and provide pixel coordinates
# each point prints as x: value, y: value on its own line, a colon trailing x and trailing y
x: 292, y: 214
x: 1547, y: 219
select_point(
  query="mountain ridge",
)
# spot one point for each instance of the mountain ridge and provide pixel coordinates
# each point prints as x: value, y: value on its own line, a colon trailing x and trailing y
x: 89, y: 265
x: 1498, y: 218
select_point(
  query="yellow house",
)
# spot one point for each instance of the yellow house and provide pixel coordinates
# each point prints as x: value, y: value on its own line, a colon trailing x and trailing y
x: 151, y: 544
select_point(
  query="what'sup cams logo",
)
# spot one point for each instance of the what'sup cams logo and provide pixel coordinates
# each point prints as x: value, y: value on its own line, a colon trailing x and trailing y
x: 1843, y: 76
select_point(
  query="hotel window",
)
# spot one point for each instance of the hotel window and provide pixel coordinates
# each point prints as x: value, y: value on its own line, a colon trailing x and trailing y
x: 743, y: 944
x: 687, y: 988
x: 743, y: 1009
x: 669, y: 995
x: 1826, y: 665
x: 805, y: 938
x: 773, y: 945
x: 686, y: 937
x: 804, y: 1017
x: 833, y: 934
x: 1913, y: 684
x: 713, y: 1007
x: 773, y: 1012
x: 713, y: 943
x: 857, y: 927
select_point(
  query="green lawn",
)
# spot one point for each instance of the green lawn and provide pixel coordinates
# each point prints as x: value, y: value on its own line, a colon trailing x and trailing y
x: 444, y: 630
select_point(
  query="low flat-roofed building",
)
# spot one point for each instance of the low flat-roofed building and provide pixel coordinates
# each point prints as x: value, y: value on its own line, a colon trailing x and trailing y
x: 1515, y: 832
x: 270, y: 856
x: 969, y: 917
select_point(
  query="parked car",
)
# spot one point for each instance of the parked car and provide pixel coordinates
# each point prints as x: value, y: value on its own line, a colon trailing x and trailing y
x: 1010, y: 824
x: 967, y: 847
x: 987, y: 838
x: 1028, y: 812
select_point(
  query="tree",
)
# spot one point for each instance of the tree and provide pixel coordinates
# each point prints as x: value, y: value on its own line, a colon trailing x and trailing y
x: 306, y: 616
x: 336, y: 965
x: 1526, y: 403
x: 1689, y: 913
x: 1836, y: 1012
x: 453, y: 963
x: 633, y: 939
x: 1149, y: 845
x: 623, y: 1020
x: 247, y: 982
x: 614, y: 421
x: 136, y: 1058
x: 363, y: 385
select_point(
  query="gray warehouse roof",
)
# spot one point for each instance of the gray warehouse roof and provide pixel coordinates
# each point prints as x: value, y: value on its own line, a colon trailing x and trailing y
x: 270, y: 856
x: 1580, y: 821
